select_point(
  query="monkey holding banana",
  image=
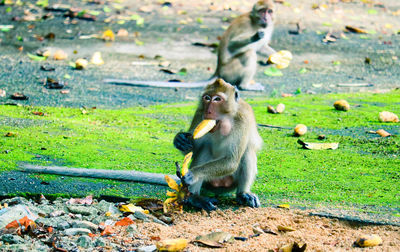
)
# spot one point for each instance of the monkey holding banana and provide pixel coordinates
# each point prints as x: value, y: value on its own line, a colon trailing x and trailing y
x: 237, y: 53
x: 225, y: 158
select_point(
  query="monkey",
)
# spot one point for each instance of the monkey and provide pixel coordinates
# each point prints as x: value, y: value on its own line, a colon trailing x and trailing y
x: 225, y: 158
x: 237, y: 52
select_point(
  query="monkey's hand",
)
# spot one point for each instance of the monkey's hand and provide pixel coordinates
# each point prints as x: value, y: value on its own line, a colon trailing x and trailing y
x: 256, y: 37
x: 188, y: 179
x: 248, y: 199
x: 183, y: 141
x: 205, y: 203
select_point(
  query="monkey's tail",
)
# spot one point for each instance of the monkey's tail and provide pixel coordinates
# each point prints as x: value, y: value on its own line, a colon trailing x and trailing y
x: 136, y: 176
x: 159, y: 84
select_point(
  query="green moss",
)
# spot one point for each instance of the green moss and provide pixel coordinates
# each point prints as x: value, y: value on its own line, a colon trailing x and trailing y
x: 364, y: 170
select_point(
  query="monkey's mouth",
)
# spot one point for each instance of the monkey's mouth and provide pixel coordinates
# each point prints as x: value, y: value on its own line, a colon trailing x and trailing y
x: 218, y: 122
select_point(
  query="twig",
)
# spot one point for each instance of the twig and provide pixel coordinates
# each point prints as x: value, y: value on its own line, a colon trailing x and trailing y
x: 273, y: 126
x: 355, y: 85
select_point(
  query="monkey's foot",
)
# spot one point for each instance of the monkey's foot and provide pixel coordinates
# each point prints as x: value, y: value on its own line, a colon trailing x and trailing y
x: 248, y: 199
x: 252, y: 87
x: 205, y: 203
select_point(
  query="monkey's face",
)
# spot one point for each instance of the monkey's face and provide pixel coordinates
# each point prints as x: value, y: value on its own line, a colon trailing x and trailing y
x: 262, y: 13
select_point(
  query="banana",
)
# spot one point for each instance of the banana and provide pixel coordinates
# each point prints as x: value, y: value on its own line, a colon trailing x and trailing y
x: 281, y: 59
x: 186, y: 161
x: 172, y: 245
x: 368, y: 241
x: 203, y: 128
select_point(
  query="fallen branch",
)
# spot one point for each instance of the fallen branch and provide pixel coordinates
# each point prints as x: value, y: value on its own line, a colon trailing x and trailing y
x: 273, y: 126
x: 136, y: 176
x: 355, y: 85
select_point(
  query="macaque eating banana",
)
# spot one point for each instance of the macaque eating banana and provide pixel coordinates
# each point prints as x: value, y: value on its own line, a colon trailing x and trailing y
x: 224, y: 158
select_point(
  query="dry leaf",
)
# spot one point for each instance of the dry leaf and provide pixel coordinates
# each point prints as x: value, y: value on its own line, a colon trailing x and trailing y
x: 319, y: 146
x: 300, y: 130
x: 172, y: 245
x: 64, y: 91
x: 86, y: 201
x: 383, y: 133
x: 124, y: 222
x: 386, y: 116
x: 271, y: 110
x: 287, y: 206
x: 215, y: 239
x: 294, y: 247
x: 285, y: 228
x: 108, y: 35
x: 203, y: 128
x: 25, y: 222
x: 368, y: 241
x: 108, y: 230
x: 131, y: 208
x: 19, y: 96
x: 342, y: 105
x: 355, y: 29
x: 96, y: 59
x: 10, y: 134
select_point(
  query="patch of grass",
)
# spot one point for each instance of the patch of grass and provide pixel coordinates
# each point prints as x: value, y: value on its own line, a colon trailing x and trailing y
x: 364, y: 170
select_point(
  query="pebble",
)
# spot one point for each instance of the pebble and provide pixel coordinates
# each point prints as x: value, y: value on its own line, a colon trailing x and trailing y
x: 63, y: 225
x: 100, y: 242
x: 84, y: 241
x: 12, y: 239
x: 85, y: 224
x: 83, y: 210
x: 150, y: 248
x: 76, y: 231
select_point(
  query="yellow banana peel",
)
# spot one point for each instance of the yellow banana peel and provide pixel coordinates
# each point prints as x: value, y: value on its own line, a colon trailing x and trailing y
x: 186, y: 161
x: 281, y: 59
x: 172, y: 245
x: 203, y: 128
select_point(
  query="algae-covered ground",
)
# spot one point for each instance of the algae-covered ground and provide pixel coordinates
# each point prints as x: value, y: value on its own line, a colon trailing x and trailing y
x: 364, y: 172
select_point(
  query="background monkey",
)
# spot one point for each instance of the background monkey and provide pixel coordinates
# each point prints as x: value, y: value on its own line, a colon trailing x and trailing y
x: 237, y: 53
x: 226, y: 157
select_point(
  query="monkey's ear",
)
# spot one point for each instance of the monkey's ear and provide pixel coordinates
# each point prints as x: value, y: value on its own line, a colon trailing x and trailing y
x: 237, y: 96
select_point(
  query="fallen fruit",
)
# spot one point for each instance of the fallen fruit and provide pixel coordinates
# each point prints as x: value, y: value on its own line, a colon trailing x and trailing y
x: 81, y: 64
x: 108, y: 35
x: 386, y: 116
x: 280, y: 108
x: 172, y: 245
x: 342, y: 105
x: 203, y: 128
x: 60, y: 55
x: 368, y: 241
x: 186, y: 161
x: 300, y: 130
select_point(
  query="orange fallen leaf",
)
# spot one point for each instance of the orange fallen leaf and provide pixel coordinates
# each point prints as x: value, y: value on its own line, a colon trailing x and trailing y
x: 124, y: 222
x: 25, y: 222
x: 108, y: 230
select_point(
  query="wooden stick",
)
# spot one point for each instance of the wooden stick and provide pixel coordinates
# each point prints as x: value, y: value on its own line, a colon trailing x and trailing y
x: 273, y: 126
x: 136, y: 176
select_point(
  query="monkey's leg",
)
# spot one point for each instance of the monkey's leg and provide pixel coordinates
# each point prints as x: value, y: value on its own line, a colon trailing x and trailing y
x: 198, y: 201
x: 245, y: 177
x: 249, y: 63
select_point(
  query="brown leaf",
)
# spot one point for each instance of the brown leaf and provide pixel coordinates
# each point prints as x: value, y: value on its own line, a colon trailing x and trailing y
x: 19, y: 96
x: 355, y: 29
x: 285, y: 228
x: 383, y: 133
x: 386, y: 116
x: 271, y: 110
x: 214, y: 239
x: 318, y: 146
x: 149, y: 204
x: 124, y: 222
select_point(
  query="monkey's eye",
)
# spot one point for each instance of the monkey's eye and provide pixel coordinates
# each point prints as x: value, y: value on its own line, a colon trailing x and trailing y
x: 217, y: 99
x: 207, y: 98
x: 270, y: 11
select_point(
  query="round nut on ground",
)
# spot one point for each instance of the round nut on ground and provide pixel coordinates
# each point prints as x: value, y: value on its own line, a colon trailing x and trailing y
x: 60, y: 55
x: 300, y: 130
x: 81, y: 64
x: 342, y: 105
x: 386, y: 116
x: 280, y: 108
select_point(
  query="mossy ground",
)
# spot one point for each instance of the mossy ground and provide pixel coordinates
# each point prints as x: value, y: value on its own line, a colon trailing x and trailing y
x: 363, y: 171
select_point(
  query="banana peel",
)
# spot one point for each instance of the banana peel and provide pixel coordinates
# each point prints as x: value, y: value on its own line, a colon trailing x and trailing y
x: 185, y: 165
x: 172, y: 245
x: 368, y: 241
x: 285, y: 228
x: 203, y: 128
x: 281, y: 59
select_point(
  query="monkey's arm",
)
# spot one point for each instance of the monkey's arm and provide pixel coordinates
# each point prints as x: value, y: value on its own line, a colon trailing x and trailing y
x: 237, y: 44
x: 266, y: 51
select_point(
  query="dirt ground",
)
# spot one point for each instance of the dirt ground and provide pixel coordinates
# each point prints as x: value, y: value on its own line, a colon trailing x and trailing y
x: 320, y: 234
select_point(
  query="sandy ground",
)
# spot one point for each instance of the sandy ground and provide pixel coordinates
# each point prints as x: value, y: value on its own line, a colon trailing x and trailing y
x: 320, y: 234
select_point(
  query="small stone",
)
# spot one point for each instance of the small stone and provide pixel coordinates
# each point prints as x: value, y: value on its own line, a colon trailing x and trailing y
x: 83, y: 210
x: 76, y: 231
x: 150, y: 248
x: 100, y: 242
x: 166, y: 219
x: 85, y: 224
x: 63, y: 225
x: 131, y: 229
x: 84, y: 241
x: 12, y: 239
x: 141, y: 216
